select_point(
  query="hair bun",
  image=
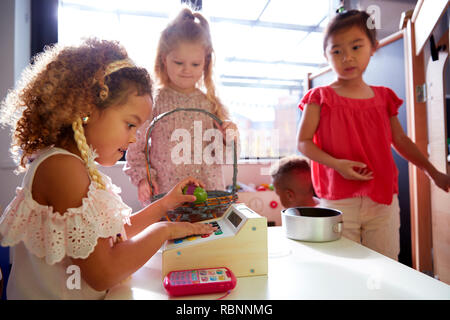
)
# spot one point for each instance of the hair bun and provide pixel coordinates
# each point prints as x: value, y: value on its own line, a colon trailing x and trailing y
x: 186, y: 14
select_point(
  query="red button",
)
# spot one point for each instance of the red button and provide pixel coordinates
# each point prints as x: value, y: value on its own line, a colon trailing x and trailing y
x: 273, y: 204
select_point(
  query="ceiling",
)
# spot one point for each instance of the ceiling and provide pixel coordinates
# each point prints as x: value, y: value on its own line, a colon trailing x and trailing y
x: 258, y: 43
x: 268, y: 43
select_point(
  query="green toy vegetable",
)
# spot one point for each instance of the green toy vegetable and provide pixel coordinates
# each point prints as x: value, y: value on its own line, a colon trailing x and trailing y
x: 198, y: 192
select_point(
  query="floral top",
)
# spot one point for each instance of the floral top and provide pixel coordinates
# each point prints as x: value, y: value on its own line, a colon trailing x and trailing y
x: 180, y: 144
x: 44, y: 241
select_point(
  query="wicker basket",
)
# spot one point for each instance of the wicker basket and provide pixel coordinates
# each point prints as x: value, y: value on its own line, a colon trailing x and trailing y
x: 217, y: 201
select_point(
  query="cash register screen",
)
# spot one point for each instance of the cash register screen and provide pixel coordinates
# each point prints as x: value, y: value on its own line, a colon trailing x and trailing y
x: 234, y: 219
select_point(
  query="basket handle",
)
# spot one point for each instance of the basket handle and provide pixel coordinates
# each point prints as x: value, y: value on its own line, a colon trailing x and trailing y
x: 165, y: 114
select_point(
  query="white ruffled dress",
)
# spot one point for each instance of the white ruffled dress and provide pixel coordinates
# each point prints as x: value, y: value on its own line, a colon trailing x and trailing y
x: 44, y: 241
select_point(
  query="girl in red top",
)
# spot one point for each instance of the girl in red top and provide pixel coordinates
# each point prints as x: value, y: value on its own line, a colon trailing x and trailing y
x: 347, y: 129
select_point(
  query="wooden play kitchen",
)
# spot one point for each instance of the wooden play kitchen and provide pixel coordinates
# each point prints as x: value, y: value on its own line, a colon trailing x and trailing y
x: 239, y: 243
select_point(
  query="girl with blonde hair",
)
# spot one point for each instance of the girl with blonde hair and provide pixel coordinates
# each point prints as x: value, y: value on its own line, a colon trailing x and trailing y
x: 73, y: 106
x: 183, y: 66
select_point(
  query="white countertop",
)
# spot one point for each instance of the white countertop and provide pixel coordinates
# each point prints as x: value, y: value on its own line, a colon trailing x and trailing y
x: 339, y: 269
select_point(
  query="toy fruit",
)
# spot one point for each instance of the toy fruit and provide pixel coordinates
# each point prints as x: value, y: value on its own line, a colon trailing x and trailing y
x: 260, y: 188
x: 189, y: 189
x: 201, y: 195
x: 198, y: 192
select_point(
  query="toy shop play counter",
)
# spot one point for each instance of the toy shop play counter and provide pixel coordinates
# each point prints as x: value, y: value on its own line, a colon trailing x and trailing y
x: 239, y: 243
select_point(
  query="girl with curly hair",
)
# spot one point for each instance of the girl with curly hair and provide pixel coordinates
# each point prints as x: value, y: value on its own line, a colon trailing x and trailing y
x: 75, y: 105
x: 183, y: 67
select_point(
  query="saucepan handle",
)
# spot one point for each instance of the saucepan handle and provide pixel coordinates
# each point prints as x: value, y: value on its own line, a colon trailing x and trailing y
x: 338, y: 227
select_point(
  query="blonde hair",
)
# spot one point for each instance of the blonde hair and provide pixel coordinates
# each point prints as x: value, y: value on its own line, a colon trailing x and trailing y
x: 63, y: 85
x: 192, y: 27
x: 85, y: 151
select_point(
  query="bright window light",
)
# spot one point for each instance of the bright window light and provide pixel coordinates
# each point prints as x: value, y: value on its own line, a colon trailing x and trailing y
x: 264, y: 49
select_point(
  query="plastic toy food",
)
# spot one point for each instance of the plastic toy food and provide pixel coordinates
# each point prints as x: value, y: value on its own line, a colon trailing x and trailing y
x: 198, y: 192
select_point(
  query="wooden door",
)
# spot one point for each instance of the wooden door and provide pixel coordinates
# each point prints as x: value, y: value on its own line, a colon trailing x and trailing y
x: 437, y: 135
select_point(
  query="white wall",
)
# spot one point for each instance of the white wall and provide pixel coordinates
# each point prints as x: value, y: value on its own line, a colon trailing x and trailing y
x: 15, y: 49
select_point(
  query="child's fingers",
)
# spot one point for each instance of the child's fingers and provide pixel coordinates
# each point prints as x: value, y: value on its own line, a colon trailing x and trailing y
x: 363, y: 176
x: 142, y: 197
x: 364, y: 172
x: 144, y: 192
x: 191, y: 180
x: 227, y: 124
x: 204, y: 228
x: 360, y: 171
x: 442, y: 181
x: 183, y: 229
x: 155, y: 186
x: 358, y: 164
x: 218, y: 126
x: 188, y: 198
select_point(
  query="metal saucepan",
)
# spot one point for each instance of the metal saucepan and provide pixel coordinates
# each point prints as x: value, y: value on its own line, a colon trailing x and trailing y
x: 312, y: 224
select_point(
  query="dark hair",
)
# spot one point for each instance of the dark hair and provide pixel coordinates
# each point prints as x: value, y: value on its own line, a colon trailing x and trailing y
x: 288, y: 165
x: 348, y: 19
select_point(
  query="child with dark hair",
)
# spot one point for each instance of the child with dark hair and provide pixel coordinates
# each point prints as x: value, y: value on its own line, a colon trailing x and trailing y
x: 291, y: 178
x: 347, y: 130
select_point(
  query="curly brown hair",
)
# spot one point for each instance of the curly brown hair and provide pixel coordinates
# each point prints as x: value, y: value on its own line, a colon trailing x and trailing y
x: 63, y: 84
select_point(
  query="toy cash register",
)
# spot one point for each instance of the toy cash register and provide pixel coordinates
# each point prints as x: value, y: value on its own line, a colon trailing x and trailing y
x: 239, y: 243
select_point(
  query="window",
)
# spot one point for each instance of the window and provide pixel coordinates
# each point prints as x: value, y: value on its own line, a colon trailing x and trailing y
x: 264, y: 49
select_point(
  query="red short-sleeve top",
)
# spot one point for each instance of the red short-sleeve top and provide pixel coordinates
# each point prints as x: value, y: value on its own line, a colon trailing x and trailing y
x: 358, y: 130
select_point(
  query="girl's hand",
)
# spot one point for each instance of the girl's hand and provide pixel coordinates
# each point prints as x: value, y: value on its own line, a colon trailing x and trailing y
x: 441, y: 180
x: 175, y: 197
x: 353, y: 170
x: 183, y: 229
x: 144, y: 192
x: 228, y: 125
